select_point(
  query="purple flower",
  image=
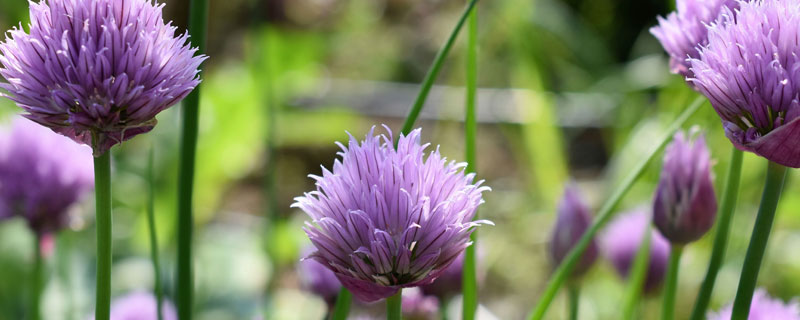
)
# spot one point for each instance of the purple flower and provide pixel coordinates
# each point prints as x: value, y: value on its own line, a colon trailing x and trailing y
x: 685, y: 204
x: 573, y: 220
x: 684, y: 30
x: 140, y: 306
x: 387, y: 218
x: 97, y: 68
x: 751, y: 74
x: 418, y: 306
x: 42, y: 174
x: 763, y: 308
x: 318, y: 280
x: 621, y: 242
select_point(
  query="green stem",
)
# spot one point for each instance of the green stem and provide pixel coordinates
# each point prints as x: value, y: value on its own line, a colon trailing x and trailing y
x: 102, y: 187
x: 721, y: 238
x: 637, y: 275
x: 671, y: 287
x: 151, y: 224
x: 776, y: 174
x: 184, y: 284
x: 469, y: 277
x: 394, y: 306
x: 433, y: 72
x: 342, y: 307
x: 574, y: 300
x: 564, y: 269
x: 36, y: 279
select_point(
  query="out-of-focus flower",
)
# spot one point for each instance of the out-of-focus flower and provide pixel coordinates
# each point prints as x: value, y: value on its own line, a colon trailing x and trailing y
x: 140, y: 305
x: 763, y: 307
x: 685, y: 204
x: 417, y: 306
x: 620, y: 243
x: 750, y: 71
x: 684, y: 30
x: 42, y: 174
x: 573, y: 220
x: 388, y: 218
x: 449, y: 281
x: 97, y: 71
x: 318, y: 280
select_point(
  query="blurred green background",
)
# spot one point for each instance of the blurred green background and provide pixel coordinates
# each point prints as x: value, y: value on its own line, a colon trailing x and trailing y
x: 569, y: 89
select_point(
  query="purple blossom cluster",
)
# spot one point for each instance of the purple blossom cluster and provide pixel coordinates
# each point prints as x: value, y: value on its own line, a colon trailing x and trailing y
x: 42, y: 175
x: 97, y: 71
x: 763, y: 307
x: 386, y: 218
x: 750, y: 71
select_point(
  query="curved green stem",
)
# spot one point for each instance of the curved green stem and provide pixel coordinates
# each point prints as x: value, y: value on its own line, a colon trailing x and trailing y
x: 574, y: 300
x: 565, y: 268
x: 184, y: 281
x: 37, y: 278
x: 342, y: 307
x: 776, y: 174
x: 433, y: 72
x: 469, y: 277
x: 151, y: 224
x: 727, y: 208
x: 671, y: 286
x: 102, y: 187
x: 394, y: 306
x: 637, y: 275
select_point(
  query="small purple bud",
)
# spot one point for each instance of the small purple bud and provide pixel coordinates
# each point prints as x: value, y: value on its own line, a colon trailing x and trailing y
x: 449, y: 282
x: 763, y: 307
x: 621, y: 241
x: 317, y: 279
x: 573, y: 220
x: 685, y: 204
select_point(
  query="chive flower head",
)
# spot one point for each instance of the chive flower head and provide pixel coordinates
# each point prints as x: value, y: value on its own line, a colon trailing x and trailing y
x: 574, y: 218
x: 386, y: 218
x: 621, y: 241
x: 97, y: 71
x: 763, y: 307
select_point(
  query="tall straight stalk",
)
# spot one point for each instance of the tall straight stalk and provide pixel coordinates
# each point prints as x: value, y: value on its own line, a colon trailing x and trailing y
x: 37, y: 278
x: 342, y: 307
x: 776, y: 175
x: 727, y: 208
x: 198, y: 16
x: 394, y: 306
x: 102, y: 187
x: 671, y: 286
x: 469, y: 277
x: 574, y: 290
x: 565, y: 268
x: 151, y: 224
x: 637, y: 275
x: 433, y: 72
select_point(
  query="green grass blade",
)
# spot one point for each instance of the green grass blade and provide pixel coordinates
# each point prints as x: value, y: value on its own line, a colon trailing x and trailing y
x: 637, y: 275
x: 151, y: 226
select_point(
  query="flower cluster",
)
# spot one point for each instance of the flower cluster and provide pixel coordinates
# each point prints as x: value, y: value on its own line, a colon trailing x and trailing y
x: 750, y: 71
x: 683, y: 31
x: 97, y: 71
x: 42, y: 174
x: 621, y: 241
x: 387, y: 218
x: 763, y: 307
